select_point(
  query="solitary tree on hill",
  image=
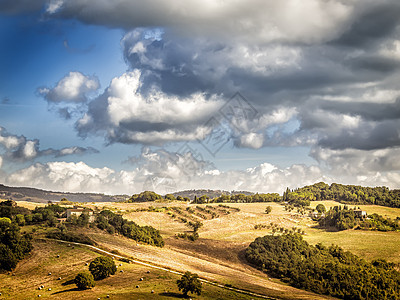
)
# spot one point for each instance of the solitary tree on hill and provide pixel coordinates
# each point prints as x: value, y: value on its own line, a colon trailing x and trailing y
x: 84, y: 280
x: 102, y: 267
x: 189, y: 282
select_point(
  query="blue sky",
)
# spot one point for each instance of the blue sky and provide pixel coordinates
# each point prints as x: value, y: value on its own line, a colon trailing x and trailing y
x: 106, y: 96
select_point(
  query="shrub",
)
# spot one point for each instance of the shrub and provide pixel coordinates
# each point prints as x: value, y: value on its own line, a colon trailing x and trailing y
x: 102, y: 267
x: 320, y: 208
x: 191, y: 237
x: 84, y: 280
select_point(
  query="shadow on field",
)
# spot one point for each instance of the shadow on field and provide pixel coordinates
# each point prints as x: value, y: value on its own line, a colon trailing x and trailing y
x: 175, y: 295
x: 68, y: 282
x: 242, y: 257
x: 65, y: 291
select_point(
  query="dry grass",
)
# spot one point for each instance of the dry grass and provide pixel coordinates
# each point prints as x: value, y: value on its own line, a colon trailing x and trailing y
x: 216, y: 261
x: 238, y: 227
x: 30, y: 205
x: 217, y: 255
x: 33, y: 272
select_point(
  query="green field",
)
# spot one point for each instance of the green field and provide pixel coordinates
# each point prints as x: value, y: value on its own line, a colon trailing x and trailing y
x: 369, y: 245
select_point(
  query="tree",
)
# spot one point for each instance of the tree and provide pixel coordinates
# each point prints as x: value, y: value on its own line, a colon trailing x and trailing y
x: 62, y: 227
x: 170, y: 197
x: 13, y: 245
x: 8, y: 261
x: 83, y: 220
x: 102, y: 267
x: 268, y: 209
x: 320, y: 208
x: 20, y: 219
x: 285, y: 196
x: 145, y: 197
x: 189, y: 282
x: 203, y: 199
x: 84, y: 280
x: 5, y: 222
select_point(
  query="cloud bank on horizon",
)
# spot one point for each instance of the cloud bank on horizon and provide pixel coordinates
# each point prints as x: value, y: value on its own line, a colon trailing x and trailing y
x: 316, y: 74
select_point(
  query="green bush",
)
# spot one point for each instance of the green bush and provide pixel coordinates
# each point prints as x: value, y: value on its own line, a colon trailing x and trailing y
x: 84, y: 280
x: 102, y: 267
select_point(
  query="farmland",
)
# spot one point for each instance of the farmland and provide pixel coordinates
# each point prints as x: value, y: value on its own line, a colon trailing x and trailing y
x: 218, y: 254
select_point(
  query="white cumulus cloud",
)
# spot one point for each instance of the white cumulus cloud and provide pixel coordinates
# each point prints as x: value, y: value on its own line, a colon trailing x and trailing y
x: 74, y: 87
x: 128, y: 116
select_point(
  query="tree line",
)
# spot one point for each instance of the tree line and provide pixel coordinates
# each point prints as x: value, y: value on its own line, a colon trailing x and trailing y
x: 350, y: 194
x: 324, y: 270
x: 148, y: 196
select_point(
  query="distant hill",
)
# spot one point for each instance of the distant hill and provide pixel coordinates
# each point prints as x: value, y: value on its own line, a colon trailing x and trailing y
x: 210, y: 193
x: 38, y: 195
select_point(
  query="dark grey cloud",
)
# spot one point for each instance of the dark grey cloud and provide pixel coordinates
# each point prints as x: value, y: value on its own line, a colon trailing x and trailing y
x: 367, y: 137
x: 20, y: 6
x: 368, y: 110
x: 321, y: 75
x: 377, y: 21
x: 374, y: 63
x: 244, y: 20
x: 272, y: 76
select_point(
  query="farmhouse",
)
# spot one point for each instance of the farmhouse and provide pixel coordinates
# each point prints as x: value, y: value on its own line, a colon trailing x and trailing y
x: 360, y: 213
x: 78, y: 211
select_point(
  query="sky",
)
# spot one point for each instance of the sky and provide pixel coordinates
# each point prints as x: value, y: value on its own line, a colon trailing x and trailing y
x: 121, y: 96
